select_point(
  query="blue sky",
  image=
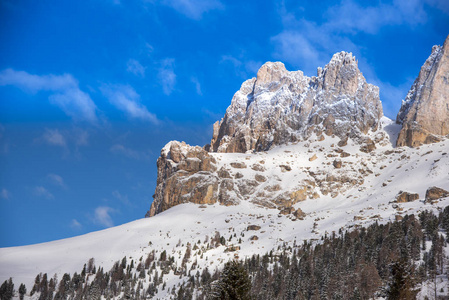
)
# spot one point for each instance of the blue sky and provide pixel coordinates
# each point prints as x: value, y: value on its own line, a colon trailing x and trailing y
x: 90, y: 91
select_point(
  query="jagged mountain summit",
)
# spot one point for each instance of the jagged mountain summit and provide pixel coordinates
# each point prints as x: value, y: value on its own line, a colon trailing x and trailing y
x: 279, y: 107
x: 424, y: 114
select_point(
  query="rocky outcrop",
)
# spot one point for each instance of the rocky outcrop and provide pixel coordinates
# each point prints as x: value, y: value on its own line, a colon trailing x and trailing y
x: 424, y: 113
x: 279, y: 107
x: 299, y: 214
x: 403, y: 197
x: 435, y: 193
x: 184, y: 174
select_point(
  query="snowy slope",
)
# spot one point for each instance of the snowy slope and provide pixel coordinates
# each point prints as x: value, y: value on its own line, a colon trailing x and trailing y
x: 386, y: 171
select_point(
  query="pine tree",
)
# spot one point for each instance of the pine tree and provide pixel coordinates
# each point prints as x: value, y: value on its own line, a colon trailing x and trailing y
x: 7, y: 290
x: 402, y: 284
x: 234, y: 283
x: 22, y: 291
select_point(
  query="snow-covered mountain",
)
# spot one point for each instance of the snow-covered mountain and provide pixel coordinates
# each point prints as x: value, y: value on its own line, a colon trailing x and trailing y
x: 388, y: 172
x: 293, y: 159
x: 279, y: 107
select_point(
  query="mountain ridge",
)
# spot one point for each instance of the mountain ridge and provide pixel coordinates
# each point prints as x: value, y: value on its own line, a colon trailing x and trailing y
x: 280, y: 107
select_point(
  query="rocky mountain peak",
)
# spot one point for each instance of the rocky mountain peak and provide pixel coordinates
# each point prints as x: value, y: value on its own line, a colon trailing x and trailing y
x: 280, y: 106
x: 342, y: 73
x: 271, y: 72
x: 327, y: 129
x: 424, y: 113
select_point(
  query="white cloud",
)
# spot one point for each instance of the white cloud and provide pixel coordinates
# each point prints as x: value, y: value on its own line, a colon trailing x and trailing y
x: 123, y: 198
x: 125, y: 98
x: 56, y: 180
x: 231, y: 59
x: 65, y: 92
x: 76, y: 104
x: 134, y: 67
x: 5, y: 194
x: 35, y: 83
x: 75, y: 225
x: 128, y: 152
x: 102, y: 216
x: 193, y: 9
x: 244, y: 68
x: 54, y: 137
x: 295, y: 48
x: 197, y: 84
x: 81, y: 137
x: 149, y: 48
x: 442, y: 5
x: 307, y: 44
x: 40, y: 191
x: 167, y: 76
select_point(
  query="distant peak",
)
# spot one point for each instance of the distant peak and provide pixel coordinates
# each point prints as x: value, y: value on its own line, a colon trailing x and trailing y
x: 271, y: 71
x: 344, y: 58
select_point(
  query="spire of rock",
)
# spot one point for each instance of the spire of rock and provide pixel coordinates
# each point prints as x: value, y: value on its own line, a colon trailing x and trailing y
x: 424, y: 113
x: 279, y: 107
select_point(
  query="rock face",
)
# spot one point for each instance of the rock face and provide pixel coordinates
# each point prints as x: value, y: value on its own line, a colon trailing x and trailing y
x: 279, y: 107
x: 403, y: 197
x: 435, y: 193
x: 424, y: 113
x: 184, y: 174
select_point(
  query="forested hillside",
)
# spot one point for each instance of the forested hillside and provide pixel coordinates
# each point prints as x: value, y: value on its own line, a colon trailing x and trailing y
x: 393, y: 261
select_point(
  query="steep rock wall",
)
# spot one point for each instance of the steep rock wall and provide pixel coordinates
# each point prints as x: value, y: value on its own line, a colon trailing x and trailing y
x: 424, y: 113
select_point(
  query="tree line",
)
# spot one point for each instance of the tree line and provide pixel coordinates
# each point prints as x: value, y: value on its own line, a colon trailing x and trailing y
x: 383, y: 260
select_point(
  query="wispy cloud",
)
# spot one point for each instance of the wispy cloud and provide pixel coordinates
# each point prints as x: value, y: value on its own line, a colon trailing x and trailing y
x: 167, y: 76
x: 123, y: 198
x: 5, y: 194
x: 197, y: 85
x: 75, y: 225
x: 351, y: 17
x: 128, y: 152
x: 54, y: 137
x: 81, y: 137
x: 40, y: 191
x: 244, y: 68
x: 149, y: 48
x: 307, y: 44
x: 193, y: 9
x: 56, y: 180
x: 442, y: 5
x: 126, y: 99
x: 296, y: 48
x: 102, y: 216
x: 134, y: 67
x: 64, y: 89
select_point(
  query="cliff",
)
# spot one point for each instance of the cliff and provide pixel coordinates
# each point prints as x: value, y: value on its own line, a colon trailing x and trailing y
x: 424, y: 114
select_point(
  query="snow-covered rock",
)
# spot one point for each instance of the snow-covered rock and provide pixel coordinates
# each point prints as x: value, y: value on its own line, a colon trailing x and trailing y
x: 424, y: 113
x: 184, y: 174
x: 279, y: 107
x: 385, y: 171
